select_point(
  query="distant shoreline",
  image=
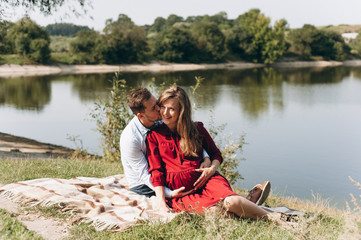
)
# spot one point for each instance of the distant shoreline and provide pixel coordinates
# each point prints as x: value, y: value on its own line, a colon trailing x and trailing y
x: 11, y: 70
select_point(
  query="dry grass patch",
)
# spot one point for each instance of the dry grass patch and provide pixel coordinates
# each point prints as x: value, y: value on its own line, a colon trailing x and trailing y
x: 343, y: 28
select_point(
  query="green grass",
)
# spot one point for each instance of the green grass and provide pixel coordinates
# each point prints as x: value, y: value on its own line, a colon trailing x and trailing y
x: 21, y: 170
x: 62, y: 57
x: 60, y: 50
x: 56, y: 58
x: 11, y: 228
x: 12, y: 59
x: 60, y: 43
x: 320, y: 222
x: 188, y: 226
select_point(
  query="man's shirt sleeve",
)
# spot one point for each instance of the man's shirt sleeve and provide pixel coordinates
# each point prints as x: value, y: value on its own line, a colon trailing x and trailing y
x: 135, y: 163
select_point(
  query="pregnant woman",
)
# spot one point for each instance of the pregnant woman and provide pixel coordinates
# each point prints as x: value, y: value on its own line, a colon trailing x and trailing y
x: 175, y: 154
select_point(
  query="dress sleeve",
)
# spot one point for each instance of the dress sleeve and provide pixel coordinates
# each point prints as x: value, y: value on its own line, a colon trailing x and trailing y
x: 208, y: 143
x: 156, y: 168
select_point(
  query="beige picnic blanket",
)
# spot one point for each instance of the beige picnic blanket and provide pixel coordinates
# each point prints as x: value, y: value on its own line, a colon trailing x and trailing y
x: 106, y: 203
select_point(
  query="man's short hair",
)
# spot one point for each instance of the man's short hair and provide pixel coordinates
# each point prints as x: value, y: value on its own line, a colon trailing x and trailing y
x: 136, y: 99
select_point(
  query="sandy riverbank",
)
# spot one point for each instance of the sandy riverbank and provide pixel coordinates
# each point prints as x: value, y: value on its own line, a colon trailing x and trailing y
x: 9, y: 71
x: 20, y: 147
x: 38, y: 70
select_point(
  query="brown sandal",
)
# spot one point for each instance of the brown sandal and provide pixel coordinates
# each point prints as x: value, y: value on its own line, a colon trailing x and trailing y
x: 259, y: 193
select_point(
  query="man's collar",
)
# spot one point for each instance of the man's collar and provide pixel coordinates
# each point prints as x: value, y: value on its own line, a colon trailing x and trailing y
x: 143, y: 130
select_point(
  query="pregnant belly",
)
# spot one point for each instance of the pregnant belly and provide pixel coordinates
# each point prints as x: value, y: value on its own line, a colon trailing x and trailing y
x: 185, y: 179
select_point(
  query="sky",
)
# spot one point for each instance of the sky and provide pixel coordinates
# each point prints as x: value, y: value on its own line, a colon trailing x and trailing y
x: 297, y: 13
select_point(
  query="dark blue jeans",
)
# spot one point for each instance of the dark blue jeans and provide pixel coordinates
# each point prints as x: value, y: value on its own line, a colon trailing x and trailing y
x: 143, y: 190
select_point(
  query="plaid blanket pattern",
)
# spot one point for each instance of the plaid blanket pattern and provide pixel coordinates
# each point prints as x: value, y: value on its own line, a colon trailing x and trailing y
x: 106, y: 203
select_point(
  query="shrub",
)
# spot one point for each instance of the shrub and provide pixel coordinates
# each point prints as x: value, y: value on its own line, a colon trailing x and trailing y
x: 112, y: 116
x: 40, y: 51
x: 29, y: 40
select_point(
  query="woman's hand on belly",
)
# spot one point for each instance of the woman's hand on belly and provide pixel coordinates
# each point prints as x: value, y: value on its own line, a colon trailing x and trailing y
x: 206, y: 163
x: 207, y: 173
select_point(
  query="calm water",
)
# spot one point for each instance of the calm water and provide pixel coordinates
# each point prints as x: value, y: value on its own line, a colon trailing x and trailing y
x: 302, y: 126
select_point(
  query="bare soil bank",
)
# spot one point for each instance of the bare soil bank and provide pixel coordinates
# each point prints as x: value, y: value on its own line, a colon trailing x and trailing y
x: 9, y: 71
x: 19, y: 147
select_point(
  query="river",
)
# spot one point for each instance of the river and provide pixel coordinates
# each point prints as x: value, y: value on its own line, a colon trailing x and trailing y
x: 301, y: 126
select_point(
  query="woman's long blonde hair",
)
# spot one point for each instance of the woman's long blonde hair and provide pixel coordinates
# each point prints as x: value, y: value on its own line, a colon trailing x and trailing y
x: 190, y: 141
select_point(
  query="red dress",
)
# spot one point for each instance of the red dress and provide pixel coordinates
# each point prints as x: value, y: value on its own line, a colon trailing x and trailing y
x: 169, y: 167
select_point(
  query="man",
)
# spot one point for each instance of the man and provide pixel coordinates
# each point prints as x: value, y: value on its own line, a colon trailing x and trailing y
x: 133, y: 150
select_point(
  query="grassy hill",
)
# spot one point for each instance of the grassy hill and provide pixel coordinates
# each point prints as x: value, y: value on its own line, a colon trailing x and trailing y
x: 343, y: 28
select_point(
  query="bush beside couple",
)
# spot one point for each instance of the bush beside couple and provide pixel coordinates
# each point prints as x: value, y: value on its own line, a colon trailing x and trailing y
x: 176, y: 159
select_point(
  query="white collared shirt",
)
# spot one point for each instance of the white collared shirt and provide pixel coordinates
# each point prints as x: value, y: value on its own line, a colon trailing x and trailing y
x: 133, y: 154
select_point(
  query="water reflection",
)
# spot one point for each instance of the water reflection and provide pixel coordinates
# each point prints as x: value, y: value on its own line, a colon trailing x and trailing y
x: 257, y: 96
x: 255, y: 89
x: 316, y: 75
x: 89, y: 87
x: 25, y: 93
x: 355, y: 72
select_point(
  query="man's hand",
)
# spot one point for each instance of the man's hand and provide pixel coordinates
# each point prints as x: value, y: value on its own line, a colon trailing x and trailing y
x: 206, y: 174
x: 206, y: 163
x: 160, y: 203
x: 180, y: 192
x: 162, y: 206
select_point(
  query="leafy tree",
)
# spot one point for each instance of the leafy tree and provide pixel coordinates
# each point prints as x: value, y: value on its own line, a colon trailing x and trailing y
x: 257, y: 27
x: 253, y: 39
x: 124, y: 41
x: 175, y: 45
x: 30, y: 40
x: 309, y: 41
x: 237, y: 42
x: 301, y: 40
x: 22, y: 44
x: 159, y: 25
x: 275, y: 45
x: 172, y: 19
x: 219, y: 18
x: 39, y: 50
x: 355, y: 45
x: 5, y: 47
x: 46, y: 7
x: 330, y: 45
x: 321, y: 45
x: 194, y: 19
x: 65, y: 29
x: 210, y: 41
x: 87, y: 47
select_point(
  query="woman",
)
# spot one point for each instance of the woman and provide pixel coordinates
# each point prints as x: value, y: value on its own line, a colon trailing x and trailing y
x: 175, y: 154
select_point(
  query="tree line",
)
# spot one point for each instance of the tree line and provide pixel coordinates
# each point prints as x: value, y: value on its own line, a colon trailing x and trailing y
x: 197, y: 39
